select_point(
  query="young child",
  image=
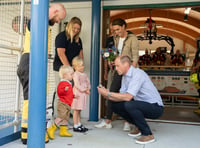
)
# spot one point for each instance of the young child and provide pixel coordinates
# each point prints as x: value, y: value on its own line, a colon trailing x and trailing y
x: 65, y: 94
x: 81, y: 89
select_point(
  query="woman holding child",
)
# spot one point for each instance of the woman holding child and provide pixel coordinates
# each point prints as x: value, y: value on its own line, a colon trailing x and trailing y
x: 68, y: 45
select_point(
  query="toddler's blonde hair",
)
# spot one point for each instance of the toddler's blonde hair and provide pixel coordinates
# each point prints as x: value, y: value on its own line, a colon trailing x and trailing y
x: 65, y: 69
x: 77, y: 61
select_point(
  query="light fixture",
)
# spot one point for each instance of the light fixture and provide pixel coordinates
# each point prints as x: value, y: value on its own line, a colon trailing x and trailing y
x: 150, y: 31
x: 187, y: 10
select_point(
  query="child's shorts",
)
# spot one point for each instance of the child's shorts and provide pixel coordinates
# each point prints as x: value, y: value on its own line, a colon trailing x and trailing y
x: 63, y: 110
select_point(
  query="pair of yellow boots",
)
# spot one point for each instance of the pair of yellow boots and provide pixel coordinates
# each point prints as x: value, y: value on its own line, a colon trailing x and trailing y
x: 63, y: 131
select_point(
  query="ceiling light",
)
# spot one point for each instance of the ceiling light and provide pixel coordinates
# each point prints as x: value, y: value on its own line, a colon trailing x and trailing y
x: 187, y: 10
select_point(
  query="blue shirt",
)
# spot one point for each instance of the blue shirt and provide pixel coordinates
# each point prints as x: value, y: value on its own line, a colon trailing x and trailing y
x: 137, y: 83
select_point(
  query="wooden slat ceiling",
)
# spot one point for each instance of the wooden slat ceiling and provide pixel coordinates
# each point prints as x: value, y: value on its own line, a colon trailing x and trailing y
x: 172, y: 21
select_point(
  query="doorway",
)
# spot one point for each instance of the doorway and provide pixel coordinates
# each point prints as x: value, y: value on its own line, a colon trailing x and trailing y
x: 173, y: 21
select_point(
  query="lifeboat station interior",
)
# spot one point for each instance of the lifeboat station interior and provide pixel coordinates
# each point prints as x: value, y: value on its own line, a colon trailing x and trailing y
x: 168, y: 33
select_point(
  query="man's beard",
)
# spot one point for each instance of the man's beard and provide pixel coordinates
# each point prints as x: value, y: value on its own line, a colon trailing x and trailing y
x: 51, y: 22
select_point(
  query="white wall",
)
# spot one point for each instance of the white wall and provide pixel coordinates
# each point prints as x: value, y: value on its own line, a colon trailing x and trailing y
x: 83, y: 10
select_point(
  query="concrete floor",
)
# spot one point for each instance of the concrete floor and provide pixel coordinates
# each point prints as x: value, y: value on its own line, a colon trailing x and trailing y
x: 168, y: 135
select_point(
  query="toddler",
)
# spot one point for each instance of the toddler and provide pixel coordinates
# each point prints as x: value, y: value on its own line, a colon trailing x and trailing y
x: 81, y: 89
x: 65, y: 94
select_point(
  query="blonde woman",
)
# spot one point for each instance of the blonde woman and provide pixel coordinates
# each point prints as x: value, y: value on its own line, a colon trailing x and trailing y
x: 68, y: 45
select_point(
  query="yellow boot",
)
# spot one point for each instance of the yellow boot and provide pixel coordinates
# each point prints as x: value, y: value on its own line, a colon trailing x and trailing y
x: 64, y: 131
x: 24, y: 123
x: 46, y: 138
x: 51, y: 130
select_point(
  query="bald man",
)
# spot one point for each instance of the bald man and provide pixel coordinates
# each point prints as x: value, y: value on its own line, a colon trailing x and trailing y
x: 138, y: 99
x: 56, y: 14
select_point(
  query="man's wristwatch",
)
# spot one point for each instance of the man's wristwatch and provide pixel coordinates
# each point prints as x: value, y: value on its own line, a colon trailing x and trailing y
x: 109, y: 94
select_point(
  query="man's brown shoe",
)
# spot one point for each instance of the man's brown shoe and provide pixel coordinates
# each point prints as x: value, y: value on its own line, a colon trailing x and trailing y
x: 135, y: 133
x: 145, y: 139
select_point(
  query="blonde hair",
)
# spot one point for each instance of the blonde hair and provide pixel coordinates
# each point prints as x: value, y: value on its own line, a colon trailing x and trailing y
x: 65, y: 69
x: 77, y: 61
x: 69, y: 27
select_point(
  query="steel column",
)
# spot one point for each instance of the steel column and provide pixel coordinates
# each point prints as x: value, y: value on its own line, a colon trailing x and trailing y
x: 38, y: 73
x: 94, y: 61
